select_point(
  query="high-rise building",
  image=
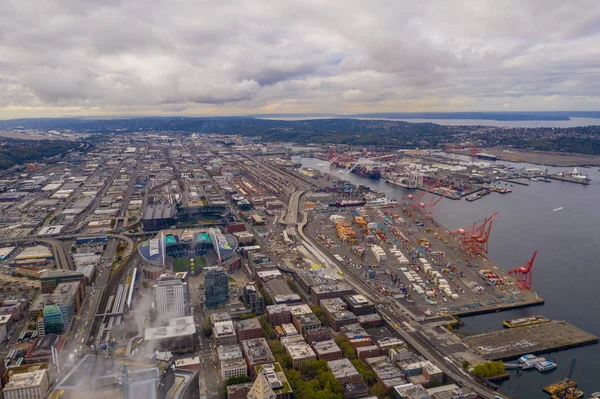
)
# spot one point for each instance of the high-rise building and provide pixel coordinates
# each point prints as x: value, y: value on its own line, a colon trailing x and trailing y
x: 59, y: 309
x: 254, y: 299
x: 216, y: 286
x: 172, y: 296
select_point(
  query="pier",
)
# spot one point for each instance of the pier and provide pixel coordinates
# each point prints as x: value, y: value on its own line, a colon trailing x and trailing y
x: 536, y: 339
x: 515, y: 181
x: 570, y: 179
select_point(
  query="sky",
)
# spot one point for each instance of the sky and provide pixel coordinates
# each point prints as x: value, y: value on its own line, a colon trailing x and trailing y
x: 221, y: 57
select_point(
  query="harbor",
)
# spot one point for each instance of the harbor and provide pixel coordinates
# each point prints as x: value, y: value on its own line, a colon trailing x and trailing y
x: 508, y: 344
x: 539, y: 206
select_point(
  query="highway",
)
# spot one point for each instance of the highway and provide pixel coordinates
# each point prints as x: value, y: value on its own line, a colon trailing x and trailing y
x: 62, y: 258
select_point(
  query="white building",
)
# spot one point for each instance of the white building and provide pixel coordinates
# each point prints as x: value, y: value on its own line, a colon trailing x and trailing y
x: 171, y: 296
x: 31, y: 385
x: 233, y: 368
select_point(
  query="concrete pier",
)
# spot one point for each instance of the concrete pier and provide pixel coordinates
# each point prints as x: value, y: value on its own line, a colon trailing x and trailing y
x: 512, y: 343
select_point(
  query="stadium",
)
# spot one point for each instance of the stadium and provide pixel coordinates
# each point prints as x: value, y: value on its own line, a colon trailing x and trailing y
x: 185, y: 250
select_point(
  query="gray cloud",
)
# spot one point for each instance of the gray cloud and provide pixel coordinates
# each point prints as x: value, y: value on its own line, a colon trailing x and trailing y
x: 153, y: 56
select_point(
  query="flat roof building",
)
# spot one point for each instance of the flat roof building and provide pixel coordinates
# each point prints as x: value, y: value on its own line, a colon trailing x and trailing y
x: 278, y: 314
x: 305, y: 322
x: 327, y: 350
x: 248, y: 329
x: 50, y: 278
x: 256, y: 351
x: 365, y: 352
x: 224, y: 333
x: 30, y: 385
x: 300, y: 352
x: 178, y: 337
x: 172, y: 296
x: 226, y: 352
x: 233, y: 368
x: 331, y: 290
x: 344, y: 371
x: 359, y: 304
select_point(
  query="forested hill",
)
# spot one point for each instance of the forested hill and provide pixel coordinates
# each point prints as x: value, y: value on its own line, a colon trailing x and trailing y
x: 13, y: 151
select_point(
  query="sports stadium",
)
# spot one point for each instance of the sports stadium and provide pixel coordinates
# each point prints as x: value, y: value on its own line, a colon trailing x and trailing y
x: 185, y: 250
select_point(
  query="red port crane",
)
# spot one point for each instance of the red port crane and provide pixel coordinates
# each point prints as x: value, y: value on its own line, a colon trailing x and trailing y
x: 416, y: 200
x: 474, y: 238
x: 429, y: 208
x: 474, y: 149
x: 523, y: 274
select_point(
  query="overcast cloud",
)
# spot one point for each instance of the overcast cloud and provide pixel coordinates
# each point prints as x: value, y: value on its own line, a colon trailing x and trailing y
x: 95, y: 57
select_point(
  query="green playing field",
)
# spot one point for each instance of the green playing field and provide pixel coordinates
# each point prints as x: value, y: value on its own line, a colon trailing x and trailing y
x: 183, y: 264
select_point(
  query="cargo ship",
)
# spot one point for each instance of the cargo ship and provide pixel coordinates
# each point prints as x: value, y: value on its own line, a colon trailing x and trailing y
x: 478, y: 195
x: 524, y: 321
x: 406, y: 183
x: 370, y: 173
x: 344, y: 204
x: 489, y: 157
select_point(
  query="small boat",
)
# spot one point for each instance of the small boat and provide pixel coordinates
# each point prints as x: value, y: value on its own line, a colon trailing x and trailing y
x: 530, y: 361
x: 545, y: 365
x: 525, y: 321
x: 524, y: 358
x: 529, y: 364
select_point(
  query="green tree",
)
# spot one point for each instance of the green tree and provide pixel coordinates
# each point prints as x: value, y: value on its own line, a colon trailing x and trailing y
x: 347, y: 350
x: 309, y: 370
x: 267, y: 329
x: 240, y: 379
x: 367, y: 374
x: 319, y: 313
x: 489, y: 369
x: 377, y: 390
x: 465, y: 365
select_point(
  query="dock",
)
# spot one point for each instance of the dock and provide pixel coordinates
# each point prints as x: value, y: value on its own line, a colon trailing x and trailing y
x: 541, y: 338
x: 515, y: 181
x: 569, y: 179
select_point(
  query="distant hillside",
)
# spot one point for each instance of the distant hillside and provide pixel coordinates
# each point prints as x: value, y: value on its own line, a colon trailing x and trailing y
x: 13, y: 152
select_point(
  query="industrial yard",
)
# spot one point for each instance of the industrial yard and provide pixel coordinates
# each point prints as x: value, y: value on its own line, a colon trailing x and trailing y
x: 416, y: 261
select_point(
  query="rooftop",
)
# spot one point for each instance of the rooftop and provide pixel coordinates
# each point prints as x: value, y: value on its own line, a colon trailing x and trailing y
x: 223, y: 329
x: 275, y: 377
x: 178, y: 326
x: 257, y: 350
x: 358, y: 300
x: 272, y: 309
x: 52, y: 273
x: 324, y: 347
x: 300, y: 309
x: 331, y: 287
x: 234, y: 363
x: 300, y: 350
x: 248, y: 324
x: 342, y: 369
x: 343, y: 315
x: 26, y: 380
x: 279, y: 287
x: 64, y: 292
x: 225, y: 352
x: 333, y: 304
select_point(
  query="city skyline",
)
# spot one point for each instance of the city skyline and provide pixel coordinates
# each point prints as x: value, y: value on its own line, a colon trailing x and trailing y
x: 124, y: 58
